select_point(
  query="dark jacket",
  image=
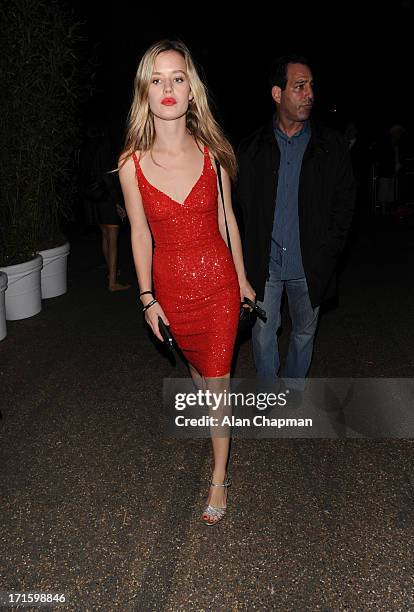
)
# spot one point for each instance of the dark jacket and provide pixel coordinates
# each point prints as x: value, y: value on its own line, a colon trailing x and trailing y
x: 326, y: 203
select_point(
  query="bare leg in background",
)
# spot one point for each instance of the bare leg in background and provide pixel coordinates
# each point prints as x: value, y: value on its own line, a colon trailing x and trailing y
x: 110, y: 250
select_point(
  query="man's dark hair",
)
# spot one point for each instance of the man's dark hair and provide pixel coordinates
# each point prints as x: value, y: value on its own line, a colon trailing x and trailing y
x: 278, y: 72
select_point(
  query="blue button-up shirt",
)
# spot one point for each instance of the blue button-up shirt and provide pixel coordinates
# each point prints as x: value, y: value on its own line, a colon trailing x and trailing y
x: 285, y: 254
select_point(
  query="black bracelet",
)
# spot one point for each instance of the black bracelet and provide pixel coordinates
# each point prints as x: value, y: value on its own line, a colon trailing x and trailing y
x: 149, y: 305
x: 145, y: 293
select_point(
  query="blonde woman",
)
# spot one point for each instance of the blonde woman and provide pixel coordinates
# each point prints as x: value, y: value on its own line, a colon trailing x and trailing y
x: 170, y: 188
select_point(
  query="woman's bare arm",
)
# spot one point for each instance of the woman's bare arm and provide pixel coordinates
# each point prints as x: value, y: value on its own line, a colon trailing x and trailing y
x: 245, y: 288
x: 141, y: 241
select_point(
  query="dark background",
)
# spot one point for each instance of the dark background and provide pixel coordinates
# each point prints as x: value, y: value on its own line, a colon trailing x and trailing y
x: 361, y: 56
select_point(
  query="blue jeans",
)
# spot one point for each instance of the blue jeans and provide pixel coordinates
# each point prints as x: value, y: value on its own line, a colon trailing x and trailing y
x: 304, y: 323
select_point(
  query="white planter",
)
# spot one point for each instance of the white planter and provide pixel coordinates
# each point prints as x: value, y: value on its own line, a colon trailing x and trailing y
x: 53, y: 277
x: 23, y: 297
x: 3, y: 287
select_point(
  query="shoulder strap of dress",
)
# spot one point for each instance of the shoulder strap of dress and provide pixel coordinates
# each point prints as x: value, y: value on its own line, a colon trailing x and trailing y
x: 138, y: 170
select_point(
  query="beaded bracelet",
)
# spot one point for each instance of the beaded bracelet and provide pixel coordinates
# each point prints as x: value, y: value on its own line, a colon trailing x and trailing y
x: 149, y: 305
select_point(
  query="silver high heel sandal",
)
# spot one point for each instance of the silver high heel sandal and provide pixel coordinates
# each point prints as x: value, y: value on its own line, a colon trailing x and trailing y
x: 213, y: 511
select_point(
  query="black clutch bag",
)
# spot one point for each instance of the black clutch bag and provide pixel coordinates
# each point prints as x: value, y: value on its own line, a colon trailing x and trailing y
x: 247, y: 319
x: 249, y: 315
x: 166, y: 334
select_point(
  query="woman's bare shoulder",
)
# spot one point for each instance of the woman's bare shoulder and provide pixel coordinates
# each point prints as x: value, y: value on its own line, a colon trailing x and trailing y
x: 126, y: 164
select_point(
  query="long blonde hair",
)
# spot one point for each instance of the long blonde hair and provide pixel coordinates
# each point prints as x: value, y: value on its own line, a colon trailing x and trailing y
x: 140, y: 133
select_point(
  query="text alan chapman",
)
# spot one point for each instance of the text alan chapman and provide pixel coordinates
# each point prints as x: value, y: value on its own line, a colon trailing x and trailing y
x: 259, y: 420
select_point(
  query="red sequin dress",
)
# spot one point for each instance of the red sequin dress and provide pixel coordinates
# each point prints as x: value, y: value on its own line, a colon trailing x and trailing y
x: 193, y: 272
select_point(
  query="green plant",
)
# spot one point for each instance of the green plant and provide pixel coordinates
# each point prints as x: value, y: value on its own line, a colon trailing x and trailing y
x: 40, y: 100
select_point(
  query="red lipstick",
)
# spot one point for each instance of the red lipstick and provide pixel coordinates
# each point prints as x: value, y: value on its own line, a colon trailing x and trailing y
x: 169, y: 101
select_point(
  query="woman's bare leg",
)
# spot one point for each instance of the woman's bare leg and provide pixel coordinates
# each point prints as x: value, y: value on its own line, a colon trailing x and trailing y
x: 220, y: 438
x: 110, y: 250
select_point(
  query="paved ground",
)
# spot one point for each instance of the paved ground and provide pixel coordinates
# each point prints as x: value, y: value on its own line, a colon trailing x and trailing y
x: 97, y: 505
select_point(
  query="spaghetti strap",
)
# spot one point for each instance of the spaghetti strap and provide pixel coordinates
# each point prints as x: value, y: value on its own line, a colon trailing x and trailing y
x: 134, y: 157
x: 138, y: 172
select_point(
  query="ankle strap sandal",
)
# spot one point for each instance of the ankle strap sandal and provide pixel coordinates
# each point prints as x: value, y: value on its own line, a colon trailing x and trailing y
x: 215, y: 513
